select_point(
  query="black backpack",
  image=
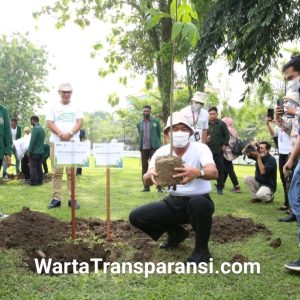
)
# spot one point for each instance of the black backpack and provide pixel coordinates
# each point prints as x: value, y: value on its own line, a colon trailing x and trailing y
x: 238, y: 147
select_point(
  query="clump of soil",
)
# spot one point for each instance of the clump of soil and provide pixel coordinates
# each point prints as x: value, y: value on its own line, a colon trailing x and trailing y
x: 231, y: 229
x: 164, y: 166
x: 238, y: 258
x: 275, y: 243
x: 43, y: 236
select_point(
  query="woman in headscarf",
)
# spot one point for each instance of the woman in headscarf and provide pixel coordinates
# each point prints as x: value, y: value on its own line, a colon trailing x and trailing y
x: 229, y: 156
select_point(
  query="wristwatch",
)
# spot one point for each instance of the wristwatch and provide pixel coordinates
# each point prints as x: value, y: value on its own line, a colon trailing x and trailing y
x: 202, y: 173
x: 71, y: 133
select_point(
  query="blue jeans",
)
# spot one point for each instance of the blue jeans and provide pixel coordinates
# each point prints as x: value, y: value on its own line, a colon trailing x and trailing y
x: 294, y: 196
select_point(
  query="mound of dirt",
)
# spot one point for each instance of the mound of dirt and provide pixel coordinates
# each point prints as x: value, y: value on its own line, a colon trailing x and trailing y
x: 43, y: 236
x: 231, y: 229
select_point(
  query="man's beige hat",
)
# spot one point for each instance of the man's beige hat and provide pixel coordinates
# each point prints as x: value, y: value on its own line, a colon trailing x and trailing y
x: 177, y: 118
x: 66, y: 87
x: 292, y: 96
x: 199, y: 97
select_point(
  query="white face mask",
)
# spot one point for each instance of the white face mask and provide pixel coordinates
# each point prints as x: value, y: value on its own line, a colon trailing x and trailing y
x: 196, y: 105
x: 293, y: 85
x: 180, y: 138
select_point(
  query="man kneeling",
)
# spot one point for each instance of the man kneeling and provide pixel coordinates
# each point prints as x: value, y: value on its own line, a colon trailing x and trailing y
x: 190, y: 202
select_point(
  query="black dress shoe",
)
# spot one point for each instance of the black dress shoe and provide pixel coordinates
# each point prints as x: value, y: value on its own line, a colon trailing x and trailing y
x: 199, y: 256
x: 175, y: 239
x: 290, y: 218
x: 146, y: 189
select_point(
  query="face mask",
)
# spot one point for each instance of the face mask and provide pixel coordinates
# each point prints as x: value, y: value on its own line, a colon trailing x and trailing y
x: 293, y: 85
x: 196, y: 106
x: 146, y: 116
x: 180, y: 138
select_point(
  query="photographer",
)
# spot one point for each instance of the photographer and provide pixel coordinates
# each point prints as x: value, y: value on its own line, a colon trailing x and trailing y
x: 263, y: 186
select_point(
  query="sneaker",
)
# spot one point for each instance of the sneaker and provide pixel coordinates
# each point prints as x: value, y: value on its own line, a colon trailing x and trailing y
x: 54, y: 204
x: 293, y: 266
x: 175, y: 239
x: 3, y: 216
x: 283, y: 208
x: 198, y: 256
x: 77, y: 206
x: 220, y: 191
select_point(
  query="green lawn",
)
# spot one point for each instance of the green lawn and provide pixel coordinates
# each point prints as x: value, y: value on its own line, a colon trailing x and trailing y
x: 273, y: 282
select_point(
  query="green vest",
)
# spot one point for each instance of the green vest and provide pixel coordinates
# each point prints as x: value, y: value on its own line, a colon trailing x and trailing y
x: 5, y: 134
x: 155, y: 134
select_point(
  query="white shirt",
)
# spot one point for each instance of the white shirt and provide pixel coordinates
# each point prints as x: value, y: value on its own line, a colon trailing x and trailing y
x: 284, y: 141
x: 22, y: 145
x: 198, y: 122
x: 65, y: 118
x: 197, y: 155
x: 14, y: 133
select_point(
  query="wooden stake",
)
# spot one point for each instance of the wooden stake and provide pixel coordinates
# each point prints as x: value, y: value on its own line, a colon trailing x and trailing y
x: 108, y: 204
x: 73, y: 203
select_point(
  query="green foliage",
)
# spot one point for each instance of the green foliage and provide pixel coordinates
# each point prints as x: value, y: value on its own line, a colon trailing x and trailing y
x: 248, y: 33
x: 22, y: 76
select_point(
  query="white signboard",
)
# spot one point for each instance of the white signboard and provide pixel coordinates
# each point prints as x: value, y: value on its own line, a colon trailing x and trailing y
x: 72, y: 154
x: 109, y: 154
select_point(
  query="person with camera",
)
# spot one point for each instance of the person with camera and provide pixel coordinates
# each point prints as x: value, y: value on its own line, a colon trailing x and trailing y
x: 198, y: 117
x: 263, y: 186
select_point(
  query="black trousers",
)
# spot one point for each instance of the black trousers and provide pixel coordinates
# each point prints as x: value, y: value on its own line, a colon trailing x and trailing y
x: 146, y: 156
x: 283, y: 158
x: 229, y: 170
x: 218, y: 158
x: 45, y: 166
x: 36, y: 171
x: 25, y: 167
x: 169, y: 214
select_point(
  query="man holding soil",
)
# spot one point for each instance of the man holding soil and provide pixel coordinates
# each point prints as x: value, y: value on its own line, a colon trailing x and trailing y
x: 5, y: 142
x: 189, y: 202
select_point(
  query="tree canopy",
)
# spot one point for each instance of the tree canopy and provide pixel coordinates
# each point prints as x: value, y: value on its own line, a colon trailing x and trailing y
x: 22, y: 75
x: 248, y: 33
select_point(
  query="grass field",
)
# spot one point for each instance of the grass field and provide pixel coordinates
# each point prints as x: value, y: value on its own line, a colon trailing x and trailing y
x: 274, y: 282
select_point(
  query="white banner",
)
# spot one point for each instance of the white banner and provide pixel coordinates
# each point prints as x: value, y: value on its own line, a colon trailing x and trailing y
x: 109, y: 154
x: 72, y: 154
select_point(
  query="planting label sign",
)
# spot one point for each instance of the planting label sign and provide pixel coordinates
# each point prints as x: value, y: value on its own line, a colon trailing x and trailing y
x: 72, y: 154
x: 109, y: 154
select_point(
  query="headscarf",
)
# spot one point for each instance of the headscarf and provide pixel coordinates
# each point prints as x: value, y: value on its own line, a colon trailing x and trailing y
x: 229, y: 123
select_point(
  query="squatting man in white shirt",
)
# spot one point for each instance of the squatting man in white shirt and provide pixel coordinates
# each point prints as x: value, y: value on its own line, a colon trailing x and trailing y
x: 190, y: 202
x: 64, y: 120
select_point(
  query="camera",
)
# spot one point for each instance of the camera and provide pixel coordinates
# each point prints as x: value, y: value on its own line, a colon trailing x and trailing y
x: 248, y: 149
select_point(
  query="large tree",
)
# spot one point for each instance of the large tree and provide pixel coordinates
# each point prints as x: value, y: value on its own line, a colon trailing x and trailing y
x: 248, y: 33
x: 140, y: 38
x: 23, y: 71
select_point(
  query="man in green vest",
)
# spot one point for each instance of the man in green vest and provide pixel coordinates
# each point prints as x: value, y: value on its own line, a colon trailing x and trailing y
x: 149, y: 140
x: 5, y: 142
x: 36, y: 151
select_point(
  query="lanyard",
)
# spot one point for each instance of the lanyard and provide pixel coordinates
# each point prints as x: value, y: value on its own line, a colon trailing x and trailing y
x: 195, y: 122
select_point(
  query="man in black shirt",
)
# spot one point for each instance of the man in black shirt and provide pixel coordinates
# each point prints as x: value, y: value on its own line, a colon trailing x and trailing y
x: 263, y: 185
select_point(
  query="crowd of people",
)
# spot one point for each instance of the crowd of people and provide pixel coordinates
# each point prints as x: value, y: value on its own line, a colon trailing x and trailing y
x: 200, y: 138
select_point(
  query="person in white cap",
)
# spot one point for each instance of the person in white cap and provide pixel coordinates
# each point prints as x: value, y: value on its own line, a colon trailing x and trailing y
x: 198, y: 117
x: 190, y: 202
x: 64, y: 120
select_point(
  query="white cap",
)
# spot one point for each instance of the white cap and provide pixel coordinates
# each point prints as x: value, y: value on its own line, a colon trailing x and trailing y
x: 199, y: 97
x: 292, y: 96
x: 177, y: 118
x: 66, y: 87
